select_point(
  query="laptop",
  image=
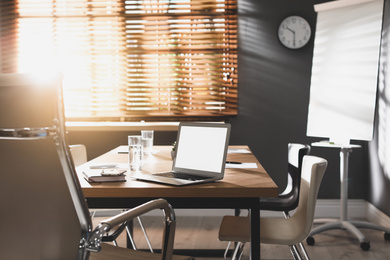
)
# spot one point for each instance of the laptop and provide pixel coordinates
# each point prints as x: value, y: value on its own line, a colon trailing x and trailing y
x: 201, y: 150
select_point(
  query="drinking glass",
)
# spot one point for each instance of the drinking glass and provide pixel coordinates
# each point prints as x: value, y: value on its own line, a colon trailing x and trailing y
x: 135, y: 152
x: 147, y: 141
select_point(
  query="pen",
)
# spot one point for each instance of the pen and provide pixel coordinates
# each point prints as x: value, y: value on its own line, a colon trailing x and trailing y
x: 233, y: 162
x: 103, y: 166
x: 85, y: 175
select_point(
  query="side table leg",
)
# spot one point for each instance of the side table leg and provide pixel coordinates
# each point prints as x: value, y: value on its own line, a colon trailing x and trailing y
x: 344, y: 156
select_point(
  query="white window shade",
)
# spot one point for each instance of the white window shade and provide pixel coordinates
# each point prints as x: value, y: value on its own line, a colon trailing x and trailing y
x: 345, y: 70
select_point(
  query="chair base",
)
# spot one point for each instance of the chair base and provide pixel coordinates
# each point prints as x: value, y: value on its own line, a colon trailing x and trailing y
x: 299, y: 252
x: 350, y: 226
x: 343, y: 222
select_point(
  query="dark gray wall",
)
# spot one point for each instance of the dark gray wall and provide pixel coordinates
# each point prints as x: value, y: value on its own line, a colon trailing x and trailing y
x: 274, y: 87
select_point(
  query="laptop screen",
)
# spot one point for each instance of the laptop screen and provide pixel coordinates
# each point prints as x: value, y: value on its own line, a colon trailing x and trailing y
x: 202, y: 147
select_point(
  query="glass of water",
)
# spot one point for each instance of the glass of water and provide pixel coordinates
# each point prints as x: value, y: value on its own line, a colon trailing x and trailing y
x: 147, y: 141
x: 135, y: 152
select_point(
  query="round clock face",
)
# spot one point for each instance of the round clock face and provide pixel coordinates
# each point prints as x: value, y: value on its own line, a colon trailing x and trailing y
x: 294, y: 32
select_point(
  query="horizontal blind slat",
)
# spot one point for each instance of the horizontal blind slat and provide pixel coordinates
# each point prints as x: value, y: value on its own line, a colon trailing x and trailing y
x: 125, y: 59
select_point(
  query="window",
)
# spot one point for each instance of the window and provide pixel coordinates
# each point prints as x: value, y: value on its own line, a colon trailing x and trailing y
x: 129, y: 60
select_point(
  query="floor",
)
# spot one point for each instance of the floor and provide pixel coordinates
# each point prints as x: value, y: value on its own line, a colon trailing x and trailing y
x: 202, y: 232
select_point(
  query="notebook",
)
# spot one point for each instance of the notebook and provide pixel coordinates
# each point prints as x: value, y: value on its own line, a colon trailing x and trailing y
x: 201, y: 150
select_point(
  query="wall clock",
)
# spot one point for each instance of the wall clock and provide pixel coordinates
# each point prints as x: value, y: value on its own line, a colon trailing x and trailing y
x: 294, y: 32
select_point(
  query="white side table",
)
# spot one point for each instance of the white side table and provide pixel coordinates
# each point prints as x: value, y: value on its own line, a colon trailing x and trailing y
x: 343, y: 222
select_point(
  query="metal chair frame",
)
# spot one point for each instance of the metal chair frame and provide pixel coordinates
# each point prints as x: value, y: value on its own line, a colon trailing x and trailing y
x: 54, y: 136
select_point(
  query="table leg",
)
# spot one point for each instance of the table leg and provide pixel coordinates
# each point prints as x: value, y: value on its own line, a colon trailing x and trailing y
x: 255, y: 231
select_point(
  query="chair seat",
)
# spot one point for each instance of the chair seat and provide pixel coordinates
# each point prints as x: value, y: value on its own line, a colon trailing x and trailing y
x: 235, y: 229
x: 110, y: 252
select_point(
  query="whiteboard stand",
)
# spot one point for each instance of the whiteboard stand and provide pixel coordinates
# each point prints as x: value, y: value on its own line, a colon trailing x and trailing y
x: 343, y: 222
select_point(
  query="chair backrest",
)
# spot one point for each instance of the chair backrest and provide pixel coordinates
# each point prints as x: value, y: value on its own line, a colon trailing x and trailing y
x: 313, y: 169
x: 296, y: 152
x: 43, y: 211
x: 78, y: 153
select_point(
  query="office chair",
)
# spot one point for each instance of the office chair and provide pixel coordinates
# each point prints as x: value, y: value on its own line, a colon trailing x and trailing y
x: 79, y: 155
x: 43, y: 210
x: 283, y: 231
x: 289, y: 198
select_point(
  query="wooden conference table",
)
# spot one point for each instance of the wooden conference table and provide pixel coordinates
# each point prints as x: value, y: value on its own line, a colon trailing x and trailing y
x: 240, y: 188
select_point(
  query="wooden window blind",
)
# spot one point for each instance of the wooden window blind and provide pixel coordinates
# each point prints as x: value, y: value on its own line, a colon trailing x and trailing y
x: 129, y: 60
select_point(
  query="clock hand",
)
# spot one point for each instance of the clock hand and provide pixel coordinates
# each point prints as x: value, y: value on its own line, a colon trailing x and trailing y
x: 288, y: 28
x: 293, y: 34
x: 294, y: 39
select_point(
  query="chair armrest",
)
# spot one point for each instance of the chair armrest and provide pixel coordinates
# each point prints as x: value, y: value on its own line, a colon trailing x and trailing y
x: 94, y: 242
x: 114, y: 233
x: 140, y: 210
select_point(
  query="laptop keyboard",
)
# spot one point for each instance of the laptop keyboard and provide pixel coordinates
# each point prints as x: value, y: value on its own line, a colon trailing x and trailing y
x: 179, y: 175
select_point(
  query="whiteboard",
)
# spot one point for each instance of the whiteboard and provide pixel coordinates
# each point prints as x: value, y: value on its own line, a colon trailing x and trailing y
x: 345, y: 70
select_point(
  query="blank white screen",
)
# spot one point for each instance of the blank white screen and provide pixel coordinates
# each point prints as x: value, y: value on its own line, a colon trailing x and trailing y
x: 201, y: 148
x: 345, y: 71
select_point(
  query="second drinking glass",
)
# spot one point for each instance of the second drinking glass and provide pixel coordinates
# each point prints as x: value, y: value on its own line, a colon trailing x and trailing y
x: 147, y: 141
